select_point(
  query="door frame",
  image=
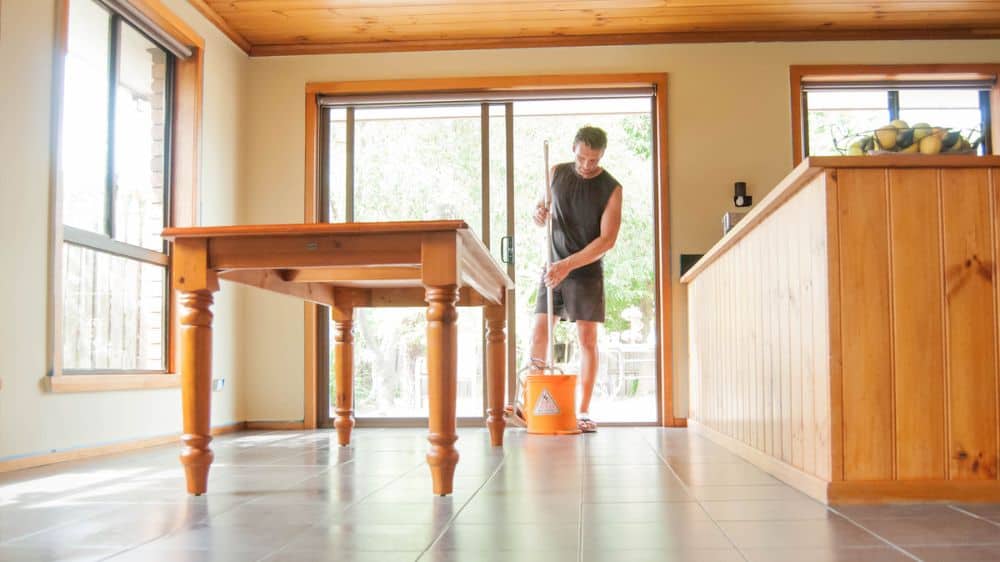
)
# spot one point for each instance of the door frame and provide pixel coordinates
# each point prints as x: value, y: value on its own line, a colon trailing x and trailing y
x: 316, y: 403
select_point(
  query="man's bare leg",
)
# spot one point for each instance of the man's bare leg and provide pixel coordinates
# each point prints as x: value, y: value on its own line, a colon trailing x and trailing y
x: 539, y: 342
x: 587, y: 333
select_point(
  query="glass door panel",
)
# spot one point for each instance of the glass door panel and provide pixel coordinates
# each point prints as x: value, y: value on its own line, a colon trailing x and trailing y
x: 415, y: 163
x: 626, y: 387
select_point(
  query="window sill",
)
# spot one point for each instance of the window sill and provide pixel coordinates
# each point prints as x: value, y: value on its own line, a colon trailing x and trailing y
x: 104, y: 383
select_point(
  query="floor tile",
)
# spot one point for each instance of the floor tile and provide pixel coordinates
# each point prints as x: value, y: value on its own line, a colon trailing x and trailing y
x: 510, y: 536
x: 830, y: 533
x: 673, y: 555
x: 766, y: 510
x: 863, y: 554
x: 53, y: 553
x: 973, y: 553
x: 654, y: 536
x: 940, y: 530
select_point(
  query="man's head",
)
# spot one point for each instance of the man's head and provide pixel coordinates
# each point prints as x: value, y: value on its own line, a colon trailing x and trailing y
x: 588, y: 146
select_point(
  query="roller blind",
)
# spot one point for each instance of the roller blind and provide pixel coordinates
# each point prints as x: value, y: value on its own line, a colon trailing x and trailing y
x: 140, y: 21
x: 479, y: 96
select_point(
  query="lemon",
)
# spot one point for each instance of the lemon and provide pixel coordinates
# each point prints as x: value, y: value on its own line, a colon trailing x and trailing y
x: 886, y: 137
x: 930, y: 145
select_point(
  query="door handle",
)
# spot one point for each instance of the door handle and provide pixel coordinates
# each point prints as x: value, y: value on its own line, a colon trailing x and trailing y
x: 507, y: 249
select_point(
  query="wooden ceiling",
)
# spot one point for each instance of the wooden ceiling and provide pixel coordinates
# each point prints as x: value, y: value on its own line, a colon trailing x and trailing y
x: 280, y: 27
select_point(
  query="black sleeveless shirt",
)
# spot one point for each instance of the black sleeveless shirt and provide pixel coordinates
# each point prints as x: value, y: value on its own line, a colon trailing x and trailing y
x: 577, y: 207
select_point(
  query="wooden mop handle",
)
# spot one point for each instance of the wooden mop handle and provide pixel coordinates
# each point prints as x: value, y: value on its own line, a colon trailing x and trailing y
x: 548, y: 258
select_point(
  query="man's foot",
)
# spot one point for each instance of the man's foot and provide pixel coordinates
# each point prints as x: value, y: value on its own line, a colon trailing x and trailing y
x: 585, y: 424
x: 515, y: 415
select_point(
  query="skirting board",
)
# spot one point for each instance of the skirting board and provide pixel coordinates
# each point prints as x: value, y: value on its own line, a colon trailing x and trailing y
x: 808, y: 484
x: 885, y: 491
x: 864, y: 491
x: 90, y: 452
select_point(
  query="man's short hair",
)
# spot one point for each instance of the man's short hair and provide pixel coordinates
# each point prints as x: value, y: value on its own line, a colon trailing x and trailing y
x: 594, y: 137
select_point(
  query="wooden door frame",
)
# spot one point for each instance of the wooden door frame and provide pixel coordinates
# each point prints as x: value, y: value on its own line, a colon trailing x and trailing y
x: 493, y: 84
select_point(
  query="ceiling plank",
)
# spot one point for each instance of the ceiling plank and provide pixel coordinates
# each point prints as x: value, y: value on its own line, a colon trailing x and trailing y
x: 271, y: 27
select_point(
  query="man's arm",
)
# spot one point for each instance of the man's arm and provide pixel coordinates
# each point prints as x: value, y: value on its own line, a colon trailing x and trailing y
x: 611, y: 221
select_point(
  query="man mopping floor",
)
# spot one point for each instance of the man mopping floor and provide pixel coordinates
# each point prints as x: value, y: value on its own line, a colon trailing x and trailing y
x: 586, y: 215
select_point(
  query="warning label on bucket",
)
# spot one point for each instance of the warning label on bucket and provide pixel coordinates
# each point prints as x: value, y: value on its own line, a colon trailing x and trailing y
x: 546, y: 405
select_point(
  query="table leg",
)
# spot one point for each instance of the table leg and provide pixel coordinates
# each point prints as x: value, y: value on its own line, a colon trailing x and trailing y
x: 343, y: 359
x: 496, y: 370
x: 442, y: 366
x: 196, y: 387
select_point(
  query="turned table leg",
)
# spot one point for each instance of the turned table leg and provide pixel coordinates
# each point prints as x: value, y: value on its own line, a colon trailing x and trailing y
x: 196, y: 387
x: 442, y: 364
x: 496, y: 370
x: 343, y: 359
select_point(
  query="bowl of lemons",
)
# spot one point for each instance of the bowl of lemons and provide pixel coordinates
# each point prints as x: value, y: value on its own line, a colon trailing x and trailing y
x: 899, y: 137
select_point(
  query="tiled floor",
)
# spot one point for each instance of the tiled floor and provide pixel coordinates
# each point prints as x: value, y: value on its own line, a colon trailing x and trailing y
x: 621, y: 495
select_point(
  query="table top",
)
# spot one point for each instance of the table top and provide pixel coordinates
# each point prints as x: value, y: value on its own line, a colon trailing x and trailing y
x: 312, y: 260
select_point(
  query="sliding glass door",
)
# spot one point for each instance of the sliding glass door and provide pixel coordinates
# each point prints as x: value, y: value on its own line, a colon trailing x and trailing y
x: 481, y: 161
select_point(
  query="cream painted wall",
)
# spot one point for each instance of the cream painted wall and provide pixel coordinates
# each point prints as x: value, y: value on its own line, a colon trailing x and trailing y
x: 729, y: 120
x: 31, y: 420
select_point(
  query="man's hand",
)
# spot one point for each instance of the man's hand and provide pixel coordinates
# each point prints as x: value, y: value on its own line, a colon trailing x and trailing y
x: 541, y: 213
x: 556, y: 272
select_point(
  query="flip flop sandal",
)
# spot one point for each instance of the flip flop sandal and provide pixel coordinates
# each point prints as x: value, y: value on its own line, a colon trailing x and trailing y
x: 586, y: 425
x: 515, y: 415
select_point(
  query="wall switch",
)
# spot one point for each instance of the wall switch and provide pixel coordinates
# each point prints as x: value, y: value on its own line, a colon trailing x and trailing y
x: 217, y: 384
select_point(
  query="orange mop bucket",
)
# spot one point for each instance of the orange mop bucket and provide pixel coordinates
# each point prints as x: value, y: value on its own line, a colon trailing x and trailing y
x: 551, y: 404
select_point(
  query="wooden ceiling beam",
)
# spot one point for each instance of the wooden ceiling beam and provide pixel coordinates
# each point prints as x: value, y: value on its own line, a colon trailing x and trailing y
x: 284, y: 27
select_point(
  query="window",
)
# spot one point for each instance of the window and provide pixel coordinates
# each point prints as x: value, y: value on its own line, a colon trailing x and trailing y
x: 116, y: 166
x: 835, y: 106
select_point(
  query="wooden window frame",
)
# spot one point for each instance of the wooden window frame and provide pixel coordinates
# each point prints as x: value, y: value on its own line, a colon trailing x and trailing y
x: 312, y: 318
x: 183, y: 205
x: 888, y: 73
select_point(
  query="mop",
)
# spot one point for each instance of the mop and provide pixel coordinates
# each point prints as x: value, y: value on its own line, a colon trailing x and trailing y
x: 547, y: 416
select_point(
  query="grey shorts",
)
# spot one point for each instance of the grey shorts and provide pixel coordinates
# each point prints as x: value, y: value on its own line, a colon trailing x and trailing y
x: 575, y: 299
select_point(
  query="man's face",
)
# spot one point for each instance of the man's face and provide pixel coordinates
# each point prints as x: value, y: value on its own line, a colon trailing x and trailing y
x: 587, y: 160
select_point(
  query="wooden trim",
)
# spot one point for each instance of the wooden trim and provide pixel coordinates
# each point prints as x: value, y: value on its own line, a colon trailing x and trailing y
x: 486, y: 83
x: 906, y: 161
x: 795, y: 87
x: 53, y: 309
x: 539, y: 82
x: 808, y: 169
x: 185, y: 165
x: 994, y: 189
x: 102, y: 450
x: 664, y: 272
x: 886, y: 73
x: 220, y: 23
x: 173, y: 25
x: 808, y: 484
x: 836, y: 350
x: 105, y: 382
x: 885, y: 491
x: 312, y: 312
x: 262, y: 50
x: 314, y: 229
x: 276, y: 425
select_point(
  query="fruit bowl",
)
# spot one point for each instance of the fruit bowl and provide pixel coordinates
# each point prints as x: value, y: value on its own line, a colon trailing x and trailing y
x: 899, y: 137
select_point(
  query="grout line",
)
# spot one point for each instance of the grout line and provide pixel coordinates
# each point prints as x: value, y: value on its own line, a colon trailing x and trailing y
x: 891, y: 544
x: 975, y: 515
x: 687, y: 489
x: 448, y: 524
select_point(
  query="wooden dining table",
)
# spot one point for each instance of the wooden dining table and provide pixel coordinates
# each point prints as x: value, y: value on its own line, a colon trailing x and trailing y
x: 437, y: 264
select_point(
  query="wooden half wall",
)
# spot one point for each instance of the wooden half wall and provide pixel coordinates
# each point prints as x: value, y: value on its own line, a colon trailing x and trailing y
x: 845, y: 335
